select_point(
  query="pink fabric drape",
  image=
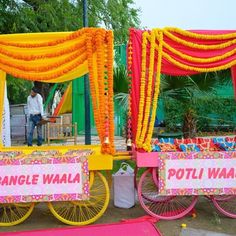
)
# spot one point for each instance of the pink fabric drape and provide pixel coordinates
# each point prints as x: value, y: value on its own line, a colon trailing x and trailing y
x: 233, y: 74
x: 170, y: 69
x: 131, y: 228
x: 136, y: 40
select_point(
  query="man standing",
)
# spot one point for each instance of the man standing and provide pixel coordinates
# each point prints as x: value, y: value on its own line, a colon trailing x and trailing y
x: 35, y: 112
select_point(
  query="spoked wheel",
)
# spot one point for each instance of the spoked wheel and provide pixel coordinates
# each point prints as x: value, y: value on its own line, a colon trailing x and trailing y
x: 150, y: 190
x: 146, y: 193
x: 84, y: 212
x: 15, y: 213
x: 137, y: 174
x: 162, y: 207
x: 226, y: 204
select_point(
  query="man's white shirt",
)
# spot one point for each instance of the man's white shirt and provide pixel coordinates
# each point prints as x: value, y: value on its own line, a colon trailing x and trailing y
x: 35, y: 105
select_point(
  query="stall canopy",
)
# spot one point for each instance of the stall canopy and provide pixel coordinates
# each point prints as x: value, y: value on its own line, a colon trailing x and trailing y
x: 59, y: 57
x: 175, y: 52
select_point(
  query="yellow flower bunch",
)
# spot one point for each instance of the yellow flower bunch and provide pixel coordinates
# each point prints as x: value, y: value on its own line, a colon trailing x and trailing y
x: 142, y: 89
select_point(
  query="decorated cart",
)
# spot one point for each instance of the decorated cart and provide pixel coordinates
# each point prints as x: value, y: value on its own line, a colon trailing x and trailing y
x: 176, y: 175
x: 67, y: 178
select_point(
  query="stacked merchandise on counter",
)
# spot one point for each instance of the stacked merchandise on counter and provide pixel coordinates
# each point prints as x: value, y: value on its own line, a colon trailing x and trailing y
x: 194, y: 144
x: 226, y: 144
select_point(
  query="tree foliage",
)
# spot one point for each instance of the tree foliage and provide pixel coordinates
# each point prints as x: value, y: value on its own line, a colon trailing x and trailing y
x: 66, y: 15
x: 26, y: 16
x: 18, y: 90
x: 187, y: 93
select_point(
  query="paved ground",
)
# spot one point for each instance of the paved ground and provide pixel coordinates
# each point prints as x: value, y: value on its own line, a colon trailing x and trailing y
x: 199, y: 232
x: 119, y: 142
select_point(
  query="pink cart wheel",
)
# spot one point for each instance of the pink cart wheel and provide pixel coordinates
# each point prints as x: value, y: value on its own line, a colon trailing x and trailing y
x: 155, y: 179
x: 151, y: 196
x: 226, y: 204
x: 162, y: 207
x: 137, y: 174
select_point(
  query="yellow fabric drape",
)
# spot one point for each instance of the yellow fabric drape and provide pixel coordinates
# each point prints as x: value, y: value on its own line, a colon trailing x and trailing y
x: 66, y: 107
x: 2, y: 89
x: 60, y: 57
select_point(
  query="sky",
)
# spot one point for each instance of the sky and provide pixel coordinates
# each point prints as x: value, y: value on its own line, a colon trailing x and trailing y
x: 188, y: 14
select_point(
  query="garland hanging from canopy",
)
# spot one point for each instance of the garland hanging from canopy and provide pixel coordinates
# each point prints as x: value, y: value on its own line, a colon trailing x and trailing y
x: 174, y: 52
x: 60, y: 57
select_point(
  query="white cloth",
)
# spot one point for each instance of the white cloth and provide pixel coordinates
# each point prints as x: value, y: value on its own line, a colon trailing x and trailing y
x: 35, y: 105
x: 56, y: 100
x: 6, y: 131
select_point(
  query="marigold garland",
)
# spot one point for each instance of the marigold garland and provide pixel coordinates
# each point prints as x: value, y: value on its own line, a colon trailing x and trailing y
x: 97, y: 117
x: 147, y: 108
x: 199, y: 46
x: 147, y: 144
x: 200, y: 36
x: 89, y: 45
x: 44, y: 68
x: 198, y: 59
x: 31, y: 57
x: 103, y: 97
x: 142, y: 89
x: 43, y: 77
x: 129, y: 115
x: 100, y: 80
x: 72, y: 36
x: 2, y: 88
x: 149, y: 89
x: 198, y: 69
x: 110, y: 59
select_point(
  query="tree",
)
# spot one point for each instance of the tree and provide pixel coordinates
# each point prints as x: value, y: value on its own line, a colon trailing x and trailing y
x: 65, y: 15
x: 8, y: 13
x: 120, y: 16
x: 18, y: 90
x: 187, y: 90
x: 121, y: 87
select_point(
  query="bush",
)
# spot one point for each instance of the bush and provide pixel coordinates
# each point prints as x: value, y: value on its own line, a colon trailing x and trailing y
x: 213, y: 114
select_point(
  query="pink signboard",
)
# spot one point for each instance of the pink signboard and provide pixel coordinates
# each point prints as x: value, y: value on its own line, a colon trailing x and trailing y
x: 44, y: 178
x: 197, y: 173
